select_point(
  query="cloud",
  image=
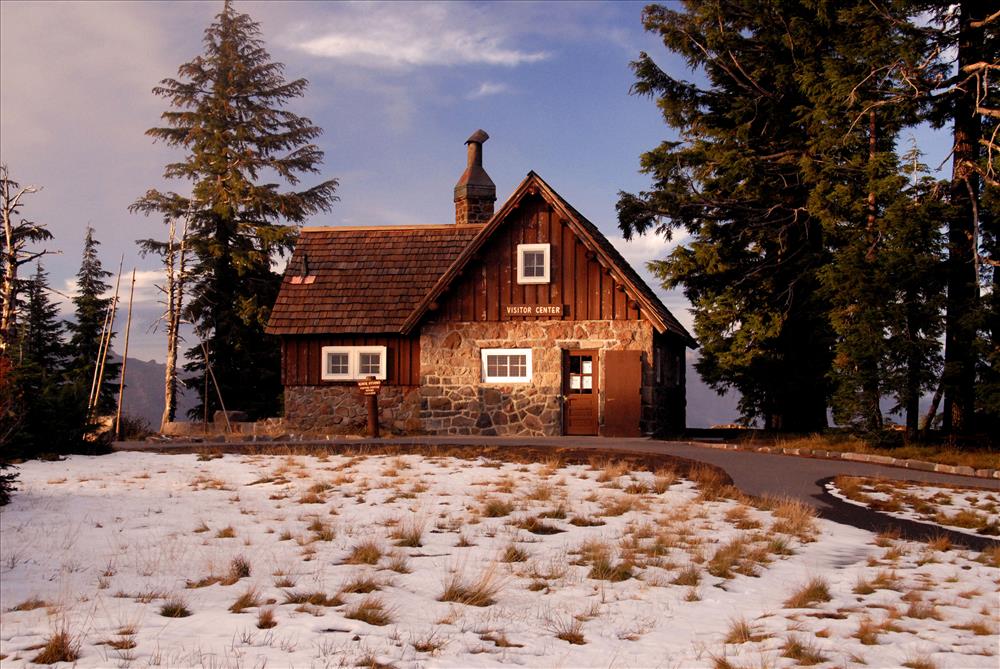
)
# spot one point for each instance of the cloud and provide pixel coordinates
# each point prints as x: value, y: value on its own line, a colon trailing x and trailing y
x: 488, y: 88
x: 409, y: 36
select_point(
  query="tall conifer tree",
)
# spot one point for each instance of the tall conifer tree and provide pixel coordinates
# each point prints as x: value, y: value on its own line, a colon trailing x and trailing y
x: 228, y: 114
x: 734, y: 182
x: 88, y: 325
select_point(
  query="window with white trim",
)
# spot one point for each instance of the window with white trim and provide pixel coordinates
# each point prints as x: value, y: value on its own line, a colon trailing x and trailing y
x: 352, y: 363
x: 533, y: 263
x: 506, y: 365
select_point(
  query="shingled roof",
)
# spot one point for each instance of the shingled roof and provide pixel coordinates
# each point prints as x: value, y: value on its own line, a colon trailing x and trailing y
x: 363, y: 279
x: 383, y: 279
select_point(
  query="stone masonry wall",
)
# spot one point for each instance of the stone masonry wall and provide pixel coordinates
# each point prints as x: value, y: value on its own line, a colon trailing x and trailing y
x: 454, y: 400
x: 341, y: 409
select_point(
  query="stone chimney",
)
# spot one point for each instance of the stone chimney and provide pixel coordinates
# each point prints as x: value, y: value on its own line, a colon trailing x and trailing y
x: 475, y: 192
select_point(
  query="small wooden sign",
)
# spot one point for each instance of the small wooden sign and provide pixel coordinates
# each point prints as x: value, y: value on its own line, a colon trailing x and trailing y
x: 534, y: 309
x: 369, y: 386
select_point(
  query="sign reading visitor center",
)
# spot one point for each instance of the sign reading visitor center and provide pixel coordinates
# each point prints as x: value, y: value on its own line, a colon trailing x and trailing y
x: 534, y: 310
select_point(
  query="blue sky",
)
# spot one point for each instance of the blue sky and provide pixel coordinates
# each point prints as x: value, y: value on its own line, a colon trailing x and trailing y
x: 397, y: 88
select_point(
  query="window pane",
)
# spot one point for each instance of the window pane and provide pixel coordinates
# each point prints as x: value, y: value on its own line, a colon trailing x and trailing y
x: 336, y: 363
x: 518, y: 365
x: 574, y: 365
x: 588, y: 366
x: 534, y: 263
x: 371, y: 364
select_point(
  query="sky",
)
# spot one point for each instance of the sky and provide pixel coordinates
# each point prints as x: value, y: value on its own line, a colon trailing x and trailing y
x: 397, y: 88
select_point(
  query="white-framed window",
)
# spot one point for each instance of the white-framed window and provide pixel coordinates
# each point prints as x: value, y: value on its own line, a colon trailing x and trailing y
x: 350, y: 363
x: 506, y: 365
x: 533, y: 263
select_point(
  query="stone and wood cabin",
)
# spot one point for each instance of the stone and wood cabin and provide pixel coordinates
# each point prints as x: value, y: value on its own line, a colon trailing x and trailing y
x: 526, y: 321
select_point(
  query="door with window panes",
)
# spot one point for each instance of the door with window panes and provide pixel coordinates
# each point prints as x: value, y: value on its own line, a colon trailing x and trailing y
x: 580, y: 385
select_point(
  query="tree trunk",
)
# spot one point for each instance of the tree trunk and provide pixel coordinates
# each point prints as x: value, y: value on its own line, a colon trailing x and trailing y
x: 175, y: 303
x: 870, y: 385
x: 911, y: 399
x: 963, y: 284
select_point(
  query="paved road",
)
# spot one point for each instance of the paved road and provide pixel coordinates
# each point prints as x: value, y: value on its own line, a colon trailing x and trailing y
x: 756, y: 474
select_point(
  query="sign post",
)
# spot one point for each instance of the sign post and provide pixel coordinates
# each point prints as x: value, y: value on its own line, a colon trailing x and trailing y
x: 369, y: 388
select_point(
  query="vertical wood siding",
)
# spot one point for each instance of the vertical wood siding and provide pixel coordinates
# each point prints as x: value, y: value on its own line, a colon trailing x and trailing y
x: 579, y: 282
x: 301, y: 358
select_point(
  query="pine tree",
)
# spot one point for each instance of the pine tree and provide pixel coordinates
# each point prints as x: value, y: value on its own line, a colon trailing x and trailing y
x: 91, y: 310
x: 227, y: 113
x: 52, y: 407
x: 861, y: 97
x: 734, y: 182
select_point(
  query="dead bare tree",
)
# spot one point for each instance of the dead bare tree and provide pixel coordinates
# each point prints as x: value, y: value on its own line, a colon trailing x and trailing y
x: 174, y: 253
x: 17, y: 234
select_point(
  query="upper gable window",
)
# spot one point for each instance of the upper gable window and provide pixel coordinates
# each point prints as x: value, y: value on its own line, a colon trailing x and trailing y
x: 351, y: 363
x: 533, y: 263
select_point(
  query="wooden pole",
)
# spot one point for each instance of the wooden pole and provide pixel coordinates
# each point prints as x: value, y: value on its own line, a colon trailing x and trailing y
x: 218, y: 391
x: 102, y: 351
x: 121, y: 380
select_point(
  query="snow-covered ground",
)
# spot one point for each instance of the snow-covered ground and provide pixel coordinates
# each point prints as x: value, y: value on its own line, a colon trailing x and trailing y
x: 577, y: 566
x: 970, y: 510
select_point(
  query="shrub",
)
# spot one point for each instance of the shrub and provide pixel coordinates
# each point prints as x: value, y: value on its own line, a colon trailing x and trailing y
x: 265, y: 618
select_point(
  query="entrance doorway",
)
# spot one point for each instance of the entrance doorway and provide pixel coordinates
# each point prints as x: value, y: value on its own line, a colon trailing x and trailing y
x: 581, y: 381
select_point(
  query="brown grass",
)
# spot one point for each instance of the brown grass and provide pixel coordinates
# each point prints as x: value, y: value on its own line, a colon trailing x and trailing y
x: 249, y: 599
x: 265, y: 618
x: 31, y: 604
x: 514, y: 553
x: 226, y: 533
x: 803, y: 652
x: 366, y: 552
x: 316, y: 598
x: 479, y: 592
x: 985, y: 459
x: 690, y: 576
x: 569, y: 630
x: 361, y: 583
x: 372, y: 610
x: 409, y: 533
x: 60, y: 646
x: 495, y: 507
x: 175, y: 607
x: 816, y: 590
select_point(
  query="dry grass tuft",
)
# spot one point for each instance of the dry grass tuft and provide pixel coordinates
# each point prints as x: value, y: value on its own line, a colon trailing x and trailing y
x: 514, y: 553
x: 409, y: 533
x: 60, y: 646
x: 175, y: 607
x: 316, y: 598
x: 816, y: 590
x: 803, y: 652
x: 367, y: 552
x: 249, y: 599
x: 536, y: 525
x: 495, y: 507
x: 741, y: 631
x: 586, y: 521
x: 361, y: 583
x: 372, y: 610
x: 31, y: 604
x: 867, y: 632
x: 429, y: 643
x: 265, y: 618
x: 690, y: 576
x: 795, y: 518
x: 567, y: 629
x: 920, y: 662
x: 479, y: 592
x: 227, y: 532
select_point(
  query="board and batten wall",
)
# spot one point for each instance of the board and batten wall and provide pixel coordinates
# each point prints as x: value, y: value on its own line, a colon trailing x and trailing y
x: 579, y: 283
x: 301, y: 358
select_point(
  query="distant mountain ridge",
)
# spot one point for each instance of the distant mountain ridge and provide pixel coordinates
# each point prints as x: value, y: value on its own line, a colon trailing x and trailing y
x: 144, y: 391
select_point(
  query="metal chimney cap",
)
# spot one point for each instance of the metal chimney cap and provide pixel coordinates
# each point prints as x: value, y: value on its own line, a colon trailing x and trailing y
x: 478, y: 137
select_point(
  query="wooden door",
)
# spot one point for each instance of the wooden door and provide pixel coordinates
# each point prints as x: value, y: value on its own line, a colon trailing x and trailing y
x: 580, y: 384
x: 622, y: 394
